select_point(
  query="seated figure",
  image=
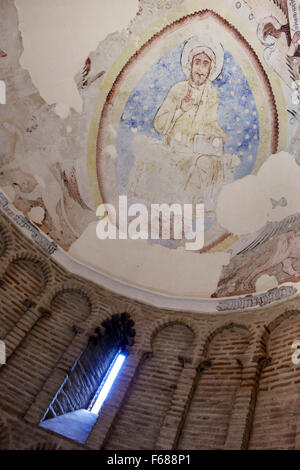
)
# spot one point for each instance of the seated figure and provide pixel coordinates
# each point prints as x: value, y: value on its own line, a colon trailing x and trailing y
x: 190, y: 166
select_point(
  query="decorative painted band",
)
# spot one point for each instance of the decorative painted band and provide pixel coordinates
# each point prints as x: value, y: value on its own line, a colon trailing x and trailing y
x: 193, y: 304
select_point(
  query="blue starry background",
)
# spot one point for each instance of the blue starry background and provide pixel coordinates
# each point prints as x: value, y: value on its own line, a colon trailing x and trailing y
x: 238, y: 115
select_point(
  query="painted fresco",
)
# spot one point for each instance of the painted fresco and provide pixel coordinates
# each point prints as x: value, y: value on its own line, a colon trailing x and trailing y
x: 194, y: 102
x: 213, y: 142
x: 177, y: 140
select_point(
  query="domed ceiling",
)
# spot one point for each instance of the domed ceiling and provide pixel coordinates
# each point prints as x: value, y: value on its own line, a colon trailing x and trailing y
x: 109, y: 111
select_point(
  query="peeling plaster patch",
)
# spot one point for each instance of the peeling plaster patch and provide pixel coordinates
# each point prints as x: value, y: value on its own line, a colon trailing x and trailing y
x: 58, y: 36
x: 151, y: 267
x: 265, y: 283
x: 36, y: 215
x: 111, y: 151
x: 9, y: 192
x: 245, y: 206
x: 2, y: 92
x: 40, y: 180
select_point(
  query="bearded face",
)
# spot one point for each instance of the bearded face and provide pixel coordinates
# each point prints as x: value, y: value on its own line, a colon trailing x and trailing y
x: 201, y: 67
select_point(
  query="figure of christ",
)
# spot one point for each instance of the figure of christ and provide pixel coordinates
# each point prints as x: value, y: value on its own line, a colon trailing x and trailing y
x: 190, y: 166
x: 191, y: 108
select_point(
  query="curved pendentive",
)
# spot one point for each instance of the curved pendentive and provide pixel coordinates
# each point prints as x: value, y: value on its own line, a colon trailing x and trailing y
x: 23, y: 281
x: 34, y: 360
x: 276, y: 423
x: 149, y: 397
x: 211, y: 405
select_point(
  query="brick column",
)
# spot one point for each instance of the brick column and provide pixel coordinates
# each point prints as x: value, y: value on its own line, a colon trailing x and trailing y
x: 23, y: 327
x: 296, y: 417
x: 170, y: 430
x: 240, y: 426
x: 175, y: 418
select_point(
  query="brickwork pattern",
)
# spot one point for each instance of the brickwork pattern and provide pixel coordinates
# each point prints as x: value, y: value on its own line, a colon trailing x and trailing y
x: 191, y: 380
x: 148, y: 401
x: 277, y: 408
x: 210, y: 409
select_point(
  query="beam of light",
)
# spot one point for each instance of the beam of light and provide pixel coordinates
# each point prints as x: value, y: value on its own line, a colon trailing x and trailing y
x: 108, y: 383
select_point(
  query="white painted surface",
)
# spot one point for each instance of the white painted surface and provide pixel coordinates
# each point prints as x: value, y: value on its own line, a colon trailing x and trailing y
x: 58, y: 36
x: 2, y: 92
x: 245, y: 206
x: 265, y: 282
x: 173, y: 272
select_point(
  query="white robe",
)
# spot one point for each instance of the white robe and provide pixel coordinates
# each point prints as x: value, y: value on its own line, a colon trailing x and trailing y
x: 187, y: 167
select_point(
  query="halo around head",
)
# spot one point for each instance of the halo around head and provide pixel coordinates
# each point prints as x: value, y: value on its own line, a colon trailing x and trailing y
x: 212, y: 48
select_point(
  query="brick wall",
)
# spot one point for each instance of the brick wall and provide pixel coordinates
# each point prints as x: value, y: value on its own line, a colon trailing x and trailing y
x: 278, y: 401
x: 149, y: 397
x: 212, y: 402
x: 24, y: 279
x: 40, y: 351
x: 191, y: 381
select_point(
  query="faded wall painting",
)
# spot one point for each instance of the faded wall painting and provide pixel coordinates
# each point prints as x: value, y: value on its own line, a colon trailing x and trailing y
x: 193, y: 102
x: 187, y: 115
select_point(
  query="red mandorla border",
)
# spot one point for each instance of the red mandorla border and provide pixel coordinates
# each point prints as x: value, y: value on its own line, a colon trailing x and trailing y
x: 182, y: 21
